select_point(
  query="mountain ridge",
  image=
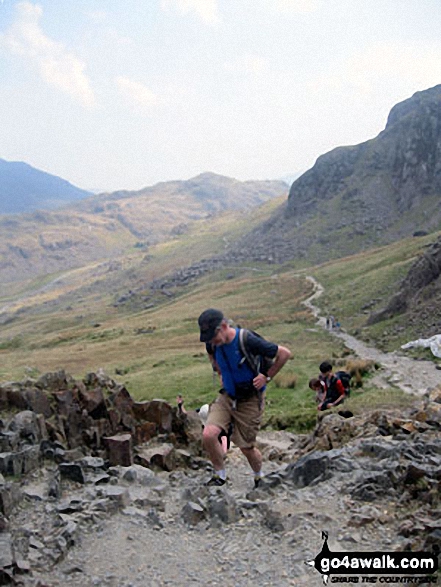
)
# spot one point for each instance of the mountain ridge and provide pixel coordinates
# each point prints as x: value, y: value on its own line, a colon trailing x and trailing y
x: 103, y: 226
x: 24, y: 188
x: 356, y: 197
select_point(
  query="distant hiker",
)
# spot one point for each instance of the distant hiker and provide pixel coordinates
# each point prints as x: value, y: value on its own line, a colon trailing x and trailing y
x: 241, y: 400
x: 180, y: 403
x: 334, y: 389
x: 328, y: 322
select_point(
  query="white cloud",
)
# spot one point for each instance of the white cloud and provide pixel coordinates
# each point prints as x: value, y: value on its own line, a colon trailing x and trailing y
x: 57, y: 66
x: 406, y: 67
x: 296, y: 6
x: 136, y: 92
x: 207, y: 10
x: 247, y: 64
x: 417, y: 65
x: 99, y: 16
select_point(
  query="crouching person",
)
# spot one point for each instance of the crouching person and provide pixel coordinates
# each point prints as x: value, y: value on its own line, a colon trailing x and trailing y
x: 333, y: 391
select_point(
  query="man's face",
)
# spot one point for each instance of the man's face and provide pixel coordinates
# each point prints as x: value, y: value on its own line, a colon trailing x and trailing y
x: 221, y: 335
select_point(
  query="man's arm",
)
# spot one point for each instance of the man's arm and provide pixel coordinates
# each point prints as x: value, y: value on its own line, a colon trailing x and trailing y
x: 282, y: 356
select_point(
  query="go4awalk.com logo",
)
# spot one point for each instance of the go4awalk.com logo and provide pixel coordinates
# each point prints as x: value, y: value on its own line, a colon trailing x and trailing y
x: 411, y: 568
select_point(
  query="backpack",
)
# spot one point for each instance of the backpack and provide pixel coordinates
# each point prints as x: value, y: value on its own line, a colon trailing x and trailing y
x: 345, y: 378
x: 257, y: 363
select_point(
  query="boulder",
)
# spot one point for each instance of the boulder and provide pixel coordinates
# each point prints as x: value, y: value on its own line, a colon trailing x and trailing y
x: 119, y: 449
x: 157, y: 411
x: 161, y: 456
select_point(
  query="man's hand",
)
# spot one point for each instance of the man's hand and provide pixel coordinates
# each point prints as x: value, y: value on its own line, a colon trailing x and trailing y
x: 259, y: 381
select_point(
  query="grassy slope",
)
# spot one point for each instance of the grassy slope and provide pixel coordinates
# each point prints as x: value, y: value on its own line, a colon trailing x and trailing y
x: 358, y: 285
x: 166, y: 358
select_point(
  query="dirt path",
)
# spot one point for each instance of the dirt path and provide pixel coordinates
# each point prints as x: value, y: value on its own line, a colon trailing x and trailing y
x: 408, y: 374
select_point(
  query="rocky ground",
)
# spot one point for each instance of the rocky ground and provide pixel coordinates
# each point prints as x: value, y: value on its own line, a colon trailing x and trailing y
x: 372, y: 482
x: 377, y: 489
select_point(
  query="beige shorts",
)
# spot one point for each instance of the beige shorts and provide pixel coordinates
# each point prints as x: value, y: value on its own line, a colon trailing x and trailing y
x: 245, y: 418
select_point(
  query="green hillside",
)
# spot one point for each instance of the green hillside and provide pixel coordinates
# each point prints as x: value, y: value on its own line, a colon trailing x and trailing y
x: 73, y: 323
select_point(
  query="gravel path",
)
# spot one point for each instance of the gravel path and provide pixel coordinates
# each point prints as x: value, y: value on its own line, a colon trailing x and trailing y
x: 408, y: 374
x: 278, y: 531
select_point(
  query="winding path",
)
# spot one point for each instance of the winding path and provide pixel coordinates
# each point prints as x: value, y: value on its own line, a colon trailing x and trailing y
x: 408, y: 374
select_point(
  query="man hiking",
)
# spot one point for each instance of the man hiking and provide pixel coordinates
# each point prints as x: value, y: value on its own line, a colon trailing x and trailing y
x: 241, y: 400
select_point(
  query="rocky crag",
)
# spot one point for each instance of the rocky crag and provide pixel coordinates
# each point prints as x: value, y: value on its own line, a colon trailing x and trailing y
x: 419, y: 294
x: 131, y: 509
x: 361, y: 196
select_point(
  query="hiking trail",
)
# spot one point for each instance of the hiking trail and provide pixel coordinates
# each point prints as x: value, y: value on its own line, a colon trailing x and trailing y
x: 409, y: 375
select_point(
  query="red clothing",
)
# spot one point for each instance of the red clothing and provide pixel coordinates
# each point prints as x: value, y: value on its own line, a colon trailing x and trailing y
x: 334, y: 388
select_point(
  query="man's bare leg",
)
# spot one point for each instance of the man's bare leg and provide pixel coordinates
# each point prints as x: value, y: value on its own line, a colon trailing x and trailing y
x: 210, y: 442
x: 254, y: 457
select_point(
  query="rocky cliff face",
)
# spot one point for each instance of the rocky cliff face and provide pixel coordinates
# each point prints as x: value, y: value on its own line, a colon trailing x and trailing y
x: 395, y: 173
x: 359, y: 196
x: 419, y: 295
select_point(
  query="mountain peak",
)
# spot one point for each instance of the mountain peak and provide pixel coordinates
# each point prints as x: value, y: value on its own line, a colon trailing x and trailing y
x: 428, y: 99
x: 25, y: 189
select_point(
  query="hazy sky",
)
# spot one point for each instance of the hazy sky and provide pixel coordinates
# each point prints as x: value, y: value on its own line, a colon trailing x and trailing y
x: 121, y: 94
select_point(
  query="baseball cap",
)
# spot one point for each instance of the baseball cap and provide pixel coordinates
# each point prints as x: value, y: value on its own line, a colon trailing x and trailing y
x: 209, y: 321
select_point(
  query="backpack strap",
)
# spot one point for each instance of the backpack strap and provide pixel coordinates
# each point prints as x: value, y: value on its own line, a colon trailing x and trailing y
x: 253, y: 361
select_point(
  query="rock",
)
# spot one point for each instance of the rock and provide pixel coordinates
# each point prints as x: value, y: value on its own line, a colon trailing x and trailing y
x: 21, y: 462
x: 54, y: 485
x: 92, y: 400
x: 10, y: 496
x: 145, y: 431
x: 38, y: 401
x: 72, y: 471
x: 54, y: 381
x: 141, y: 475
x: 146, y: 498
x: 373, y: 486
x: 119, y: 496
x: 309, y: 469
x: 25, y: 424
x: 98, y: 478
x: 35, y: 493
x: 92, y: 462
x: 70, y: 506
x: 6, y: 558
x: 158, y: 412
x: 273, y: 520
x: 222, y: 505
x: 162, y: 456
x: 193, y: 513
x: 119, y: 449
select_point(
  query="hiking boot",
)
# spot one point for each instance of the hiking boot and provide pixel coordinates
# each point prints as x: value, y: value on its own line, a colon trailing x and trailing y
x: 257, y: 481
x: 215, y: 481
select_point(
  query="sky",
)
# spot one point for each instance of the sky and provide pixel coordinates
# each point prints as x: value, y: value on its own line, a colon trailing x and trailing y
x: 123, y: 94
